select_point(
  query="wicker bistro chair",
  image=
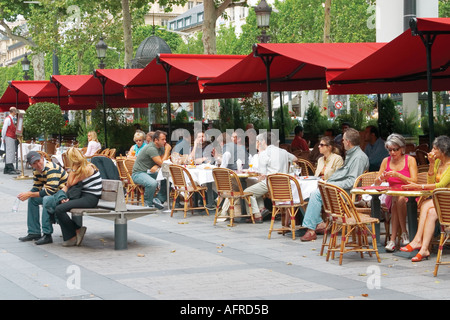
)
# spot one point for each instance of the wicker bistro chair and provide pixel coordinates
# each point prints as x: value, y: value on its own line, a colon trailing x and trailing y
x: 184, y: 184
x: 441, y: 199
x: 346, y: 219
x: 134, y: 192
x: 308, y: 169
x: 120, y: 161
x: 227, y: 182
x: 280, y: 190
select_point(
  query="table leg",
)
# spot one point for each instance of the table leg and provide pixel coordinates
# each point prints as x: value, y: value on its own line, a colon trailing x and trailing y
x: 375, y: 212
x: 210, y: 196
x: 411, y: 212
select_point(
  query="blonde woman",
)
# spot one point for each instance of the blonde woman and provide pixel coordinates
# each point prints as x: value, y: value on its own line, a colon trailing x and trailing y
x: 331, y: 160
x: 90, y: 186
x: 93, y: 144
x: 140, y: 140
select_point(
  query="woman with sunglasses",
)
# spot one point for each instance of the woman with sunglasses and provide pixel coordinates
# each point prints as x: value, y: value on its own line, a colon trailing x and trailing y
x: 397, y: 169
x: 331, y: 160
x: 438, y: 177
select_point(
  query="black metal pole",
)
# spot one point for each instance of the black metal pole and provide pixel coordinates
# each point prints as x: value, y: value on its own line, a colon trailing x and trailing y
x: 428, y: 43
x: 169, y: 111
x: 282, y: 135
x: 267, y: 59
x: 103, y: 82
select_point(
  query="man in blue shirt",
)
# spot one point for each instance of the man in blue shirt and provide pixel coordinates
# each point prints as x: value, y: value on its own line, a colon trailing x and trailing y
x: 375, y: 149
x: 356, y: 162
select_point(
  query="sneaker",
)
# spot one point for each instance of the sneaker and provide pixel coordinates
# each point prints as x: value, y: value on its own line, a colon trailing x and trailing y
x: 405, y: 239
x: 158, y: 203
x: 390, y: 247
x: 264, y: 213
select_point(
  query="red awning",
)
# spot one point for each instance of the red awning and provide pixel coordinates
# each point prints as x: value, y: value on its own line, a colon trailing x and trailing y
x: 295, y: 66
x: 9, y: 97
x: 85, y: 91
x: 185, y: 72
x: 401, y: 65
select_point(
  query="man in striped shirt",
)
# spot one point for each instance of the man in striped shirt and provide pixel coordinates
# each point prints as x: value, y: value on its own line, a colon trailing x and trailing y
x: 48, y: 179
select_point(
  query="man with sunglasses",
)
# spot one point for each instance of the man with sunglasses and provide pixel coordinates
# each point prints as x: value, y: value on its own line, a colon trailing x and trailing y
x: 356, y: 162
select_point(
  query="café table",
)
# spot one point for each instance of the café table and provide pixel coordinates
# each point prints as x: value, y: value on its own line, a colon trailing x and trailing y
x: 375, y: 208
x: 411, y: 212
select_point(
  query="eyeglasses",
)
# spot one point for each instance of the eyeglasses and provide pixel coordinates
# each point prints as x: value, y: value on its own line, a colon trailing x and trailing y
x: 393, y: 149
x: 323, y: 145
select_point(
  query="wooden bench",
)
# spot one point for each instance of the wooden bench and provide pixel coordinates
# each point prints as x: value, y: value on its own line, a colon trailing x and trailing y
x: 112, y: 206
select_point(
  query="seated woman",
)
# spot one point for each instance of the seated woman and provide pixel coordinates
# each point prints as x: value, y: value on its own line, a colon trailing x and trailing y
x: 438, y: 177
x: 93, y: 144
x: 91, y: 190
x: 140, y: 139
x: 331, y: 159
x: 397, y: 169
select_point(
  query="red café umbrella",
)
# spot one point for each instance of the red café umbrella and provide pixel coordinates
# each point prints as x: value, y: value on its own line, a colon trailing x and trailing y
x: 415, y: 61
x: 289, y: 67
x: 174, y: 78
x: 86, y: 91
x: 13, y: 97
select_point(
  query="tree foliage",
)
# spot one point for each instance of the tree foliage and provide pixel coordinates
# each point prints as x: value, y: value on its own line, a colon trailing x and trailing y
x: 43, y: 118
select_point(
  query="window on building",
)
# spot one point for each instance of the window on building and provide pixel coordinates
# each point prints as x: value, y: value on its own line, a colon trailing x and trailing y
x: 190, y: 4
x: 187, y: 21
x: 200, y: 17
x: 180, y: 24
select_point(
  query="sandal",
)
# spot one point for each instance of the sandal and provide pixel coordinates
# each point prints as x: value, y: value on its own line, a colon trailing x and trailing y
x: 419, y: 258
x: 408, y: 248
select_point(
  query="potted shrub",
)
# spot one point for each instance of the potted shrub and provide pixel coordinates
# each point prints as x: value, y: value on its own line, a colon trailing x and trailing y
x: 43, y: 118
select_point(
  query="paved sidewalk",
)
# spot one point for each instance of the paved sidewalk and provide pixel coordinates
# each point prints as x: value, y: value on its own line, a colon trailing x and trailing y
x: 190, y: 259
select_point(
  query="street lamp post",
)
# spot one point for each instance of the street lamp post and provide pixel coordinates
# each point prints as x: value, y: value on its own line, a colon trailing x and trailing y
x: 101, y: 48
x: 25, y: 67
x: 263, y: 12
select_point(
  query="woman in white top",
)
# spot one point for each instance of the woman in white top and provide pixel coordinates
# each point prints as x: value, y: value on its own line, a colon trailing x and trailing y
x: 93, y: 144
x: 331, y: 160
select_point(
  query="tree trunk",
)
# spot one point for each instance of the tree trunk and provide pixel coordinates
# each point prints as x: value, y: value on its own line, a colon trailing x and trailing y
x: 38, y: 66
x: 127, y: 40
x: 209, y: 27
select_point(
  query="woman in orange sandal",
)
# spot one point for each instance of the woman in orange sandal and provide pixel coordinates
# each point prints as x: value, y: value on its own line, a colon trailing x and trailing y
x: 438, y: 177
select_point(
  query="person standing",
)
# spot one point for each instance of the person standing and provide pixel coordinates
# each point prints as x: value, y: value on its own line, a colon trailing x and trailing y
x: 145, y: 169
x: 48, y: 179
x: 9, y: 140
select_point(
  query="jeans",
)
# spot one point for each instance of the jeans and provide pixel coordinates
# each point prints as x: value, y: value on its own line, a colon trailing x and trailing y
x: 313, y: 211
x: 148, y: 181
x: 34, y: 227
x: 68, y: 226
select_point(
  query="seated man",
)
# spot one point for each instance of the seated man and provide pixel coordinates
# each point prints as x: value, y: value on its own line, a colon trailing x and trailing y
x: 233, y: 151
x: 145, y: 169
x: 271, y: 160
x: 299, y: 143
x: 356, y: 162
x: 375, y: 148
x: 48, y: 178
